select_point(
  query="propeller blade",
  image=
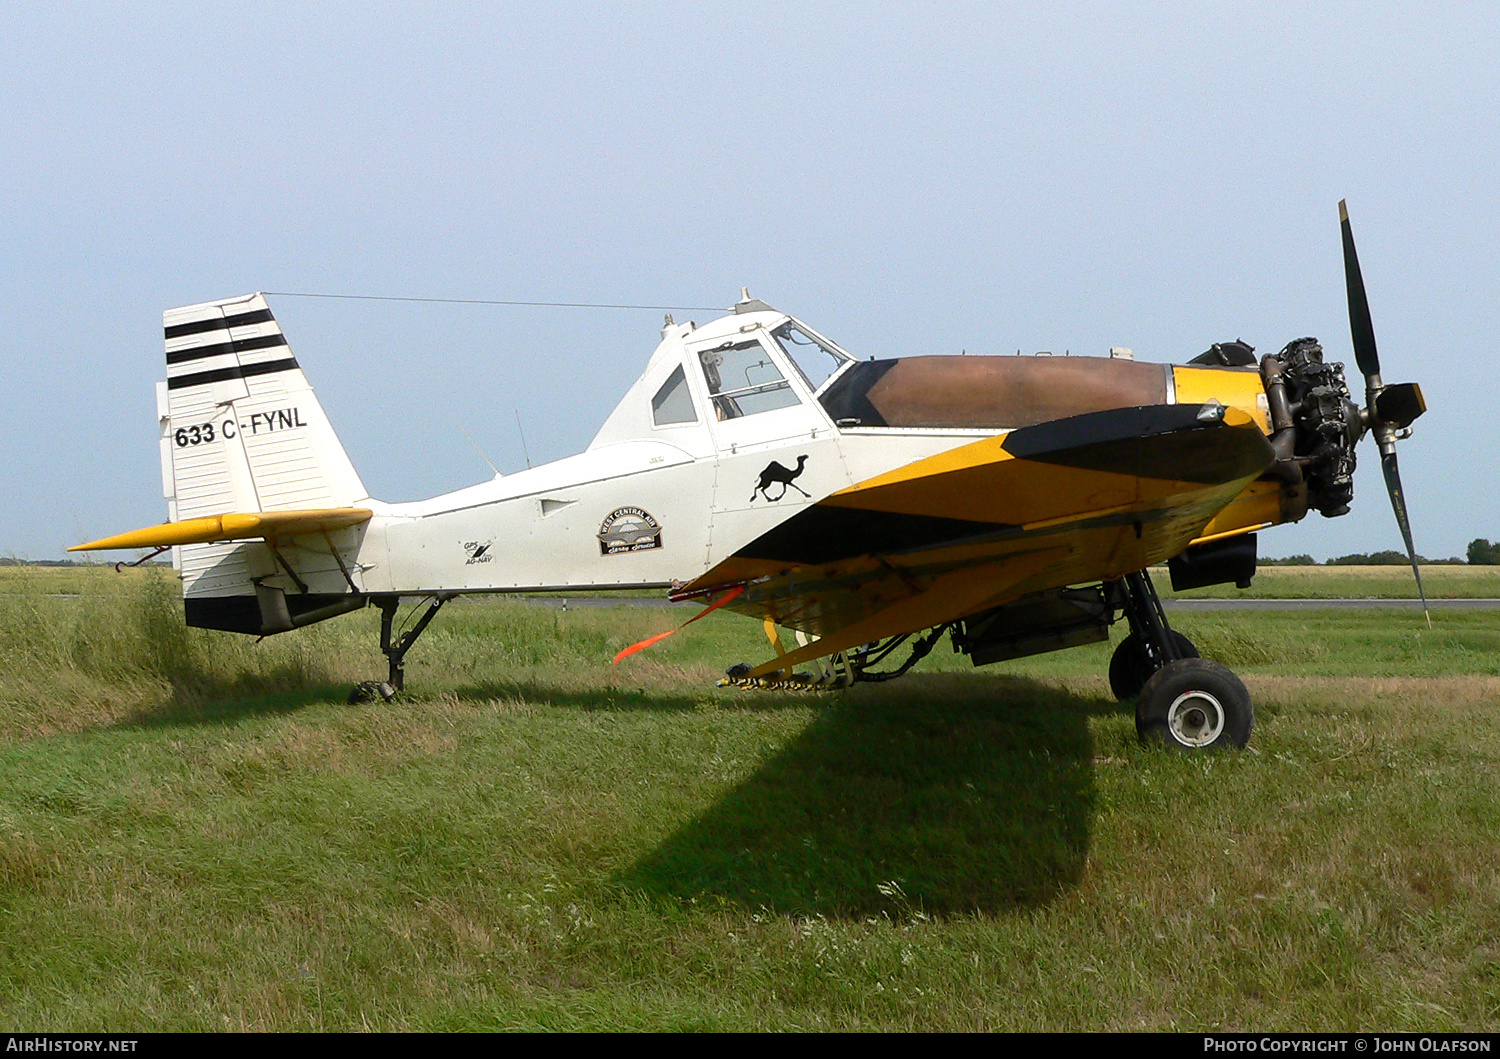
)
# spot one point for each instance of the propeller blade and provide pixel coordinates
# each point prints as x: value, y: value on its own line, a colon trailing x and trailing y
x: 1398, y: 503
x: 1361, y: 330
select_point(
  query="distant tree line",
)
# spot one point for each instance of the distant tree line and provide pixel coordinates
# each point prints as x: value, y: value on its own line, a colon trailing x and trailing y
x: 1480, y: 553
x: 1389, y: 557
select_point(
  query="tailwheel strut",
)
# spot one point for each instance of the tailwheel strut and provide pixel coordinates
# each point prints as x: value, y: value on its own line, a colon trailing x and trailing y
x: 395, y: 645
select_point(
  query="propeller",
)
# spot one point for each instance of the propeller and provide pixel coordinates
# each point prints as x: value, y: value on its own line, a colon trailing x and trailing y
x: 1389, y: 409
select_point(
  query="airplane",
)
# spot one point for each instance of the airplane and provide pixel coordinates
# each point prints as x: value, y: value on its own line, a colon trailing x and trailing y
x: 1014, y: 503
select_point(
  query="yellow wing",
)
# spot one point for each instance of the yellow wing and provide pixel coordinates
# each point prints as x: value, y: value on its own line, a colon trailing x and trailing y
x: 1076, y: 500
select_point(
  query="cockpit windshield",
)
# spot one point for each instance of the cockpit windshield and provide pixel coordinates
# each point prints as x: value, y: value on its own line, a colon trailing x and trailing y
x: 815, y: 358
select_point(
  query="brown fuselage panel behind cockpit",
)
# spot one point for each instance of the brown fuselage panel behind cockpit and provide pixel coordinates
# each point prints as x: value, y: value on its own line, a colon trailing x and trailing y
x: 993, y: 392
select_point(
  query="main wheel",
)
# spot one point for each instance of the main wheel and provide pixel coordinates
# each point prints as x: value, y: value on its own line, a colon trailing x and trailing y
x: 1130, y: 667
x: 1194, y: 704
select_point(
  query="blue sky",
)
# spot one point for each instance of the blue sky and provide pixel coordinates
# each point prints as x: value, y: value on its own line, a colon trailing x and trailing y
x: 908, y: 178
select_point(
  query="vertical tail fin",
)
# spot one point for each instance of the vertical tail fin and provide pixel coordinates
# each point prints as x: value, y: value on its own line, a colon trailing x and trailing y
x: 241, y: 431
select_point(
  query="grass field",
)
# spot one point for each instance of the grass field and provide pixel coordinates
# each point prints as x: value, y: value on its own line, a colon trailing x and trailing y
x: 197, y: 833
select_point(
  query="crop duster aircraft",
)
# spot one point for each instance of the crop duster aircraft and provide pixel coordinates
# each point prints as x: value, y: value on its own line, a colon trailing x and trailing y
x: 1013, y: 502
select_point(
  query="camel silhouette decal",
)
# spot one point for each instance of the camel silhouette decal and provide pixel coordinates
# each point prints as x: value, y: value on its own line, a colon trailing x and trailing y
x: 775, y: 472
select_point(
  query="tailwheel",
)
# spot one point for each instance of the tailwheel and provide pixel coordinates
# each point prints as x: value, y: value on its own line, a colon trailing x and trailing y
x: 1194, y: 704
x: 1131, y: 666
x: 370, y: 690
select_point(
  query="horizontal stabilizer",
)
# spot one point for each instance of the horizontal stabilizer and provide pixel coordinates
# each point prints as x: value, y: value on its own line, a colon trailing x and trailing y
x: 235, y: 526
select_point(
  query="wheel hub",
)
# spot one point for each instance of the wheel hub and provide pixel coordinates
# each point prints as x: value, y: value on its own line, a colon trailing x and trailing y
x: 1195, y: 719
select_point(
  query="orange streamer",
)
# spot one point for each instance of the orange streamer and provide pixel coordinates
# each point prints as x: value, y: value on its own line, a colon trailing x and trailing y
x: 738, y: 590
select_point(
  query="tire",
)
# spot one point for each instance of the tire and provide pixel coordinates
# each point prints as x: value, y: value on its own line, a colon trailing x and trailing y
x: 1193, y: 704
x: 1129, y: 669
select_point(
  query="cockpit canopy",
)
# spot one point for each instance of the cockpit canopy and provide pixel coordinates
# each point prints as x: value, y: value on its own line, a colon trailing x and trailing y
x: 744, y: 378
x: 760, y: 375
x: 734, y: 368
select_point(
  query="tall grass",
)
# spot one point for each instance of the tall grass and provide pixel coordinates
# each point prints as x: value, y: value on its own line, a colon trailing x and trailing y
x: 197, y: 833
x: 123, y: 650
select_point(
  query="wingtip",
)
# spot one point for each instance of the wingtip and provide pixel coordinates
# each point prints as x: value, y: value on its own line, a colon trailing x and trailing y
x: 1343, y: 211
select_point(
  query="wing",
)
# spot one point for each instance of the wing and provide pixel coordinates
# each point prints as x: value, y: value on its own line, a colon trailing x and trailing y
x: 1086, y: 498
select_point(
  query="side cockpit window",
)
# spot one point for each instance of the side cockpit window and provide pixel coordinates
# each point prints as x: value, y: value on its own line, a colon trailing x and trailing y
x: 673, y: 403
x: 743, y: 380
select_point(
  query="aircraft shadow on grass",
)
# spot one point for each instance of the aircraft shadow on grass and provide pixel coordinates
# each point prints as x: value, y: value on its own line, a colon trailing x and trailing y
x: 199, y: 699
x: 953, y: 793
x: 947, y: 793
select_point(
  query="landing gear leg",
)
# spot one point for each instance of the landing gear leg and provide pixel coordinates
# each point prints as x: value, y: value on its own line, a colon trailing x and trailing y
x: 1151, y: 643
x: 1182, y: 701
x: 395, y: 648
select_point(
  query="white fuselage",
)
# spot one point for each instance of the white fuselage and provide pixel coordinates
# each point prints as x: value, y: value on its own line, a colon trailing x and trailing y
x: 648, y: 503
